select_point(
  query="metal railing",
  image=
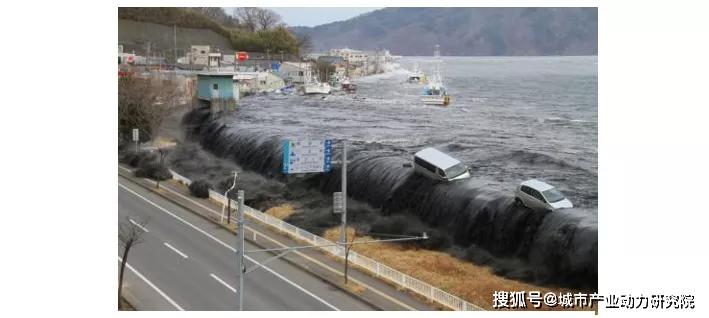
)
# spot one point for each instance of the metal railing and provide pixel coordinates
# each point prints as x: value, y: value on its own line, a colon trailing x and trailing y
x: 380, y: 270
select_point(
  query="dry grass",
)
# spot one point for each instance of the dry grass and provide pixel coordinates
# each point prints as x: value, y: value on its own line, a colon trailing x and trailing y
x: 471, y: 282
x: 282, y: 211
x: 355, y: 288
x: 164, y: 142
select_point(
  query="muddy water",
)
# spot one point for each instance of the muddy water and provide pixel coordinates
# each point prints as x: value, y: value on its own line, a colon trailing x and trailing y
x: 511, y: 119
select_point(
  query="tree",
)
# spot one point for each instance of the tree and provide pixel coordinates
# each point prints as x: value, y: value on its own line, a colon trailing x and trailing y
x: 144, y: 104
x: 257, y: 19
x: 325, y: 71
x: 217, y: 14
x: 267, y: 19
x: 129, y: 235
x: 304, y: 42
x: 347, y: 252
x: 247, y: 17
x: 163, y: 154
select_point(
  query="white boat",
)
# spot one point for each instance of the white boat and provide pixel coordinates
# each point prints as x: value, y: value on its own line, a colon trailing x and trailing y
x: 313, y: 86
x: 434, y: 93
x: 316, y: 88
x: 416, y: 76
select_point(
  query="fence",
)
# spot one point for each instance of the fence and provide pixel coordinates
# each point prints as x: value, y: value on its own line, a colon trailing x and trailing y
x: 380, y: 270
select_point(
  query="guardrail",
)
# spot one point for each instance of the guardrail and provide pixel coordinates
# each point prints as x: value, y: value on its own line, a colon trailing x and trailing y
x: 380, y: 270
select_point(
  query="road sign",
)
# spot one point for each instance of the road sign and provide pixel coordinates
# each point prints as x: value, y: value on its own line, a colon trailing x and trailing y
x: 337, y: 206
x: 242, y: 56
x: 306, y: 156
x: 135, y: 134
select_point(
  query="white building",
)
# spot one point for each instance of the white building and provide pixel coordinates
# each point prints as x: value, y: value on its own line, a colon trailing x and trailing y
x: 199, y: 55
x: 293, y: 72
x: 214, y: 59
x: 256, y: 82
x: 350, y: 55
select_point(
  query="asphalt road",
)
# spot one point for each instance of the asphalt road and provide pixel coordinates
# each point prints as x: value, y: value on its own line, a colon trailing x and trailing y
x: 191, y: 265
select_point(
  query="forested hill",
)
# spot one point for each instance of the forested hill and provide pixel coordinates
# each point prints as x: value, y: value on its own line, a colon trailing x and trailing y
x: 464, y: 31
x: 245, y: 34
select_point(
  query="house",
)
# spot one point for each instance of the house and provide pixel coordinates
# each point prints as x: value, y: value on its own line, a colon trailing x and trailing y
x: 256, y: 82
x: 217, y: 91
x: 293, y: 72
x: 331, y: 59
x: 349, y: 55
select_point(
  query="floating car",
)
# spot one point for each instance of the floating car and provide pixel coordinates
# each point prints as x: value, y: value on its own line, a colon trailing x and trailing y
x: 439, y: 166
x: 537, y: 195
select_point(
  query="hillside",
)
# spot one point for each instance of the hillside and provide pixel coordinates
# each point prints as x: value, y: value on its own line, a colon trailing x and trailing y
x: 135, y: 35
x: 140, y: 25
x: 464, y: 31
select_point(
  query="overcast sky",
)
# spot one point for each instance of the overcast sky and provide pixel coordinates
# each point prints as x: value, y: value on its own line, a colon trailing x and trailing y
x: 316, y: 16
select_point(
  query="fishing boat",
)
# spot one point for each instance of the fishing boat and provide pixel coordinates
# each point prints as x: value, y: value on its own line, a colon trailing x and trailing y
x: 313, y: 86
x: 342, y: 83
x: 348, y: 87
x: 434, y: 93
x: 416, y: 76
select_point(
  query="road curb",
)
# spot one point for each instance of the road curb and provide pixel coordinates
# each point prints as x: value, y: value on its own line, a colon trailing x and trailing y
x: 304, y: 268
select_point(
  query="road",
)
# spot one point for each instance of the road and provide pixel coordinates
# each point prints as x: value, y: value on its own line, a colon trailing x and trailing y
x: 188, y: 263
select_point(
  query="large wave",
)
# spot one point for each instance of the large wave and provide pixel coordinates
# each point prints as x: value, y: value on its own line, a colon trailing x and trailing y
x: 557, y: 247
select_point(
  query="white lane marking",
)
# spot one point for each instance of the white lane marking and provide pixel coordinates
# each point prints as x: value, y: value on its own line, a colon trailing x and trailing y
x: 407, y: 307
x: 172, y: 302
x: 138, y: 225
x: 298, y: 253
x: 223, y: 283
x: 230, y: 248
x: 175, y: 250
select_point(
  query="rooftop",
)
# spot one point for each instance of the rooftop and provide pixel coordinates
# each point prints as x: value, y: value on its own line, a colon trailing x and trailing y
x: 537, y: 185
x: 438, y: 158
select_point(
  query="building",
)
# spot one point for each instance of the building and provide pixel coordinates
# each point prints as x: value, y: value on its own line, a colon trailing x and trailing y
x: 293, y: 72
x: 199, y: 55
x: 217, y: 91
x: 256, y: 82
x: 350, y: 55
x: 330, y: 59
x: 214, y: 59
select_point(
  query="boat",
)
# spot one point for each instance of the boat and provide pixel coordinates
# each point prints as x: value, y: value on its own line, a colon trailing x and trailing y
x: 347, y: 86
x: 342, y: 83
x: 434, y: 93
x: 416, y: 76
x: 313, y: 86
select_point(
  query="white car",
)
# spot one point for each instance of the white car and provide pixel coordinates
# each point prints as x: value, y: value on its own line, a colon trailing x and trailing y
x: 537, y: 195
x: 439, y: 166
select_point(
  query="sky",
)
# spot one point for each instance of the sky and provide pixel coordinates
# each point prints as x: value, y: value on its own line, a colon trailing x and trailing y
x: 316, y: 16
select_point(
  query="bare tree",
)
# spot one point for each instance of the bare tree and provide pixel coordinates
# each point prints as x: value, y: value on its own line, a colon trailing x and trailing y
x: 347, y: 252
x: 257, y: 19
x: 163, y: 152
x: 305, y: 43
x: 267, y: 19
x: 144, y: 104
x: 247, y: 17
x: 129, y: 235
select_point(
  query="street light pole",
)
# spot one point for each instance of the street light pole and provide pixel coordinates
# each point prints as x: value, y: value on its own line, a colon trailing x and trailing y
x: 240, y: 248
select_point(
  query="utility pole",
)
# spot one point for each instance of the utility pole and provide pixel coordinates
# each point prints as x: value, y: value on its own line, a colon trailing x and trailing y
x: 174, y: 48
x: 343, y: 230
x: 240, y: 246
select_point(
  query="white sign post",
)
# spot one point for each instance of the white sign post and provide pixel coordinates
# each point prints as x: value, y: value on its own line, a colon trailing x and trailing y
x: 337, y: 206
x: 136, y: 139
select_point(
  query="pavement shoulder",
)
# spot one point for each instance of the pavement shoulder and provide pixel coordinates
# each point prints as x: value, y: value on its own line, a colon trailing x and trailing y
x: 371, y: 290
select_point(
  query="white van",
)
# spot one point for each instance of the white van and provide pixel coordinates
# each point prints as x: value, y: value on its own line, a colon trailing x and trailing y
x: 440, y: 166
